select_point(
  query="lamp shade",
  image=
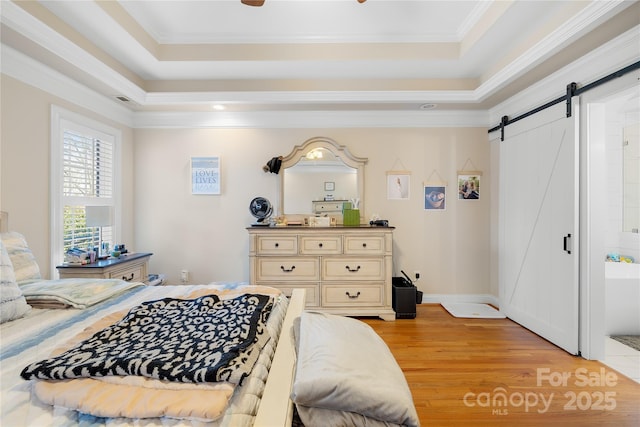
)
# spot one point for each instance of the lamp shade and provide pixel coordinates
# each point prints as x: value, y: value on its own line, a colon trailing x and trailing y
x: 98, y: 216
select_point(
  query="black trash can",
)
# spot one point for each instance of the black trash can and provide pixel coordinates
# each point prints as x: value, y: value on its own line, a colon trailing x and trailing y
x: 404, y: 298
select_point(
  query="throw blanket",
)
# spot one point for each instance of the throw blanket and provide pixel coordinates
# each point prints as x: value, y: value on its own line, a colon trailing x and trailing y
x: 199, y: 340
x: 77, y: 293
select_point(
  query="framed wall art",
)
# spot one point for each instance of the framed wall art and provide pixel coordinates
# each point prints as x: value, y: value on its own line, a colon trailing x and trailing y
x: 205, y: 175
x: 398, y: 185
x: 469, y: 185
x: 435, y: 196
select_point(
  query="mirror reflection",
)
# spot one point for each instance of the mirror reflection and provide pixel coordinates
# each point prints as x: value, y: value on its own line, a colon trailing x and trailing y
x: 318, y: 176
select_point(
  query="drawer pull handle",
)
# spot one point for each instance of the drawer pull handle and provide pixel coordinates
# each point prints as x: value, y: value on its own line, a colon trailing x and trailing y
x: 364, y: 245
x: 352, y: 270
x: 352, y: 296
x: 293, y: 267
x: 277, y: 244
x: 128, y: 279
x: 319, y: 245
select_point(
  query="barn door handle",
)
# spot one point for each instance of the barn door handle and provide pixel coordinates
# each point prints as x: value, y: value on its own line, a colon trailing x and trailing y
x: 567, y: 243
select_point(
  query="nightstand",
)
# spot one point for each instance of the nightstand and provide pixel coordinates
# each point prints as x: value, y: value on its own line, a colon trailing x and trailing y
x: 130, y: 267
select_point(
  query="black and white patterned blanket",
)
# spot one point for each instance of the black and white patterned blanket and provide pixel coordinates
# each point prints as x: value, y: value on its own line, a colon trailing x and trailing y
x: 199, y: 340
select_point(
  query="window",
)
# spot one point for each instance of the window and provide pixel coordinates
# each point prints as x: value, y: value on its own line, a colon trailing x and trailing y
x: 84, y: 169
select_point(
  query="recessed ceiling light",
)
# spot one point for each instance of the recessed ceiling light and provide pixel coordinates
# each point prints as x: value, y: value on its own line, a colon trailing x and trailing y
x: 218, y: 107
x: 428, y: 106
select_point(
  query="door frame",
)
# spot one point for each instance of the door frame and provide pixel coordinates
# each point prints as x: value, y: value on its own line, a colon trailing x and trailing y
x: 593, y: 214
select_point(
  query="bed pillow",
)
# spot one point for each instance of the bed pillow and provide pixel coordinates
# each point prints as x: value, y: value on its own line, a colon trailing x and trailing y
x: 25, y: 267
x: 345, y: 367
x: 12, y: 303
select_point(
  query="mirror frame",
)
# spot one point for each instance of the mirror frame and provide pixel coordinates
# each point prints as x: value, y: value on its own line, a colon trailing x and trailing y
x: 338, y: 150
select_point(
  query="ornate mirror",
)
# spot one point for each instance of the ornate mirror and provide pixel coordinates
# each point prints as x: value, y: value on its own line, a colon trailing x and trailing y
x: 320, y: 170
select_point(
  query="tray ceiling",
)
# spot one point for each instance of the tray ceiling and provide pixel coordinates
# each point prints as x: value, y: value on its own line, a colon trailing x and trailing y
x: 310, y: 55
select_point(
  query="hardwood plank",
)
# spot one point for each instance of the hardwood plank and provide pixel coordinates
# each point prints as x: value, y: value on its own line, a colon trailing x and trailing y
x: 458, y: 368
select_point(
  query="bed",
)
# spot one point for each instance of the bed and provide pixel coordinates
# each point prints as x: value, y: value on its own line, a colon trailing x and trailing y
x: 68, y: 314
x: 320, y: 364
x: 35, y: 336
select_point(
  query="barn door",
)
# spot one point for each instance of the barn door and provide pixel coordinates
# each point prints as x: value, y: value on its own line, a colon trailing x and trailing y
x: 539, y: 224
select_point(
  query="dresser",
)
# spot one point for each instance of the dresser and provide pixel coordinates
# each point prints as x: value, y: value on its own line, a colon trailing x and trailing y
x: 130, y: 267
x: 344, y: 270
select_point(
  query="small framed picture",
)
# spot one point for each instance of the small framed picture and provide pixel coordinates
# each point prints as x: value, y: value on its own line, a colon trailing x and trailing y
x: 469, y: 185
x: 329, y: 186
x: 398, y: 185
x: 205, y: 175
x: 435, y: 197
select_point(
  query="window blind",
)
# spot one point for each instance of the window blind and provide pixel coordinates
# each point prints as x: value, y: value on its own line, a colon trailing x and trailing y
x: 88, y: 166
x: 88, y: 171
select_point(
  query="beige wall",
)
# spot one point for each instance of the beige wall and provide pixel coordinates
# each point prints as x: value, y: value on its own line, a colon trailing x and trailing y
x: 206, y: 234
x: 25, y: 164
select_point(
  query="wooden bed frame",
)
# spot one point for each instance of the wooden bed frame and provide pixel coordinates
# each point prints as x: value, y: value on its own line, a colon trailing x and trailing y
x: 276, y: 407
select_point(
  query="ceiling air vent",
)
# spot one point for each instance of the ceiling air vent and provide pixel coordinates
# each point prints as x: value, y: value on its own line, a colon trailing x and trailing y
x: 123, y: 98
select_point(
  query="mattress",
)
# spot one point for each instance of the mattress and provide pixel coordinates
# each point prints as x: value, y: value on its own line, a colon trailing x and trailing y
x: 35, y: 336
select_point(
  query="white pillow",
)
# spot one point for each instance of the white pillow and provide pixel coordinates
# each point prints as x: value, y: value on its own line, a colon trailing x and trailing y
x: 12, y: 303
x: 344, y: 366
x: 25, y: 267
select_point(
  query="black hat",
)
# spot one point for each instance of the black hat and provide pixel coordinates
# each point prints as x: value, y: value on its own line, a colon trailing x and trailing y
x: 273, y: 165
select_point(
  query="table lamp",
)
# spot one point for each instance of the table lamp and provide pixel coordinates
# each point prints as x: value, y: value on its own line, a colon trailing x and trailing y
x: 99, y: 216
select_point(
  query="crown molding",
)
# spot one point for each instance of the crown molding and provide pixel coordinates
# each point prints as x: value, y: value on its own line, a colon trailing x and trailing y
x: 306, y: 97
x: 17, y: 65
x: 608, y: 58
x: 24, y: 23
x: 550, y: 45
x: 29, y: 71
x: 312, y: 119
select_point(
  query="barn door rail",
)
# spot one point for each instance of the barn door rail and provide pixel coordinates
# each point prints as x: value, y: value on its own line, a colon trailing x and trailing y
x: 572, y: 90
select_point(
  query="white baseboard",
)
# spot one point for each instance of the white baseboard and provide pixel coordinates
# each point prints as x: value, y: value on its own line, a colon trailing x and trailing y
x: 449, y: 298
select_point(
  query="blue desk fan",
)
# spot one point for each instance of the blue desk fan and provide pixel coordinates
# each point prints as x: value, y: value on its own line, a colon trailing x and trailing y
x: 261, y: 209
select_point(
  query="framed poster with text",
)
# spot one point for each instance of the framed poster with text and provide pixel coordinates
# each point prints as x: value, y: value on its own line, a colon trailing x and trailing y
x: 205, y: 175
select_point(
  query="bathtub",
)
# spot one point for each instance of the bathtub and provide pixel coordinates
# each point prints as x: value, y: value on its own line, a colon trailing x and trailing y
x: 622, y: 298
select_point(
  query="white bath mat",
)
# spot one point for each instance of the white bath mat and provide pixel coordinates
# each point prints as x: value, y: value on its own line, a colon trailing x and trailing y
x: 472, y: 310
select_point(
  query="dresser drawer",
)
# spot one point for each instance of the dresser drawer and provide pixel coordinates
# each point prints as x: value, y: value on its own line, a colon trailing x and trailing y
x: 312, y: 295
x: 134, y: 273
x: 347, y: 295
x: 327, y: 206
x: 320, y: 245
x: 277, y: 245
x: 287, y: 269
x: 360, y: 245
x: 348, y: 269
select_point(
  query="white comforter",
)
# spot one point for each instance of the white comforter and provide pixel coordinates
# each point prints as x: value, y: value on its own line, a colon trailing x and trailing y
x: 37, y: 335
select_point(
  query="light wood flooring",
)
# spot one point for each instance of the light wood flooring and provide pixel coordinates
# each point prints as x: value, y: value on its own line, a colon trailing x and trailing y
x: 461, y: 370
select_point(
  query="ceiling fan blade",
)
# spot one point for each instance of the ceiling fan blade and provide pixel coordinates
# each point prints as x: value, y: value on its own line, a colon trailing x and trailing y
x: 259, y: 3
x: 256, y: 3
